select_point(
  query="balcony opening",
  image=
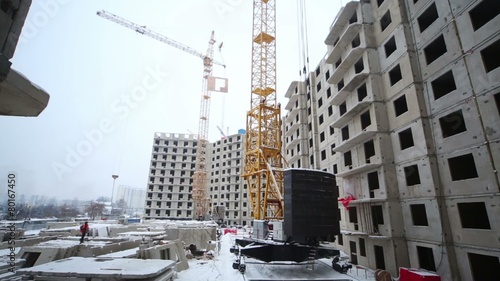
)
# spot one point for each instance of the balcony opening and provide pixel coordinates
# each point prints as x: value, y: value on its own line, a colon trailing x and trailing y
x: 395, y: 75
x: 327, y: 74
x: 335, y: 169
x: 379, y: 2
x: 318, y: 71
x: 348, y: 159
x: 362, y: 247
x: 362, y: 92
x: 426, y: 258
x: 342, y: 108
x: 411, y: 175
x: 462, y: 167
x: 373, y: 183
x: 385, y: 20
x: 491, y: 56
x: 473, y: 215
x: 483, y: 267
x: 443, y: 85
x: 354, y: 18
x: 400, y: 105
x: 359, y: 66
x: 452, y: 124
x: 369, y: 147
x: 405, y: 139
x: 497, y: 101
x: 377, y: 217
x: 365, y: 120
x: 345, y: 133
x: 31, y: 258
x: 379, y: 257
x: 337, y: 64
x: 356, y: 42
x: 340, y: 85
x: 354, y: 252
x: 340, y: 238
x: 484, y: 12
x: 390, y: 46
x: 353, y: 217
x: 419, y: 215
x: 435, y: 49
x: 428, y: 17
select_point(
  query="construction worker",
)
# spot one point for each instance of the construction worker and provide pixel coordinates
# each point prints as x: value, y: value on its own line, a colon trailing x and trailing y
x: 84, y: 229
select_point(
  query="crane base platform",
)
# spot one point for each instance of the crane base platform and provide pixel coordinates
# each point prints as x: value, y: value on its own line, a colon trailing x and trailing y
x: 269, y: 250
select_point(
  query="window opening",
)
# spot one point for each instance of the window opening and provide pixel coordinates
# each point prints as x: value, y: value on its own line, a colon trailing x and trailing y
x: 484, y: 12
x: 429, y: 16
x: 443, y: 85
x: 400, y: 105
x: 395, y: 75
x: 412, y: 176
x: 405, y: 139
x: 435, y: 49
x: 462, y: 167
x: 426, y: 258
x: 452, y: 124
x: 491, y: 57
x: 419, y: 215
x: 473, y: 215
x: 390, y: 46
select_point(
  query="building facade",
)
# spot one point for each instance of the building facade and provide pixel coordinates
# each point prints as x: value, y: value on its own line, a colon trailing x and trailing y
x: 168, y: 195
x: 133, y: 197
x: 405, y: 110
x: 170, y: 181
x: 227, y: 189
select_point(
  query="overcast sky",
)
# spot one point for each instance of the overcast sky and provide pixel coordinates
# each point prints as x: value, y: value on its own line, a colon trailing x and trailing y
x: 92, y: 67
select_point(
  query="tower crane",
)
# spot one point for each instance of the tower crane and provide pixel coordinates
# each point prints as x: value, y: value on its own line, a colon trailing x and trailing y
x: 263, y: 160
x: 200, y: 198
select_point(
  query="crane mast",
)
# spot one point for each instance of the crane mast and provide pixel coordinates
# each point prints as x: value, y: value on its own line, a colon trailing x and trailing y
x: 263, y: 160
x: 200, y: 199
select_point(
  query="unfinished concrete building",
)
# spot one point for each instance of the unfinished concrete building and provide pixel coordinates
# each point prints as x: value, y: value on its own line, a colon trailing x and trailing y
x: 168, y: 193
x: 227, y: 190
x: 405, y: 110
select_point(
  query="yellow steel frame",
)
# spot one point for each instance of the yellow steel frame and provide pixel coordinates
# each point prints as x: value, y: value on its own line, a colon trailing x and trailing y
x: 263, y: 159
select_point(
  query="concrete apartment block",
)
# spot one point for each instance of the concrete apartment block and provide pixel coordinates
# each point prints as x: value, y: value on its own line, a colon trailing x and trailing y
x: 226, y: 186
x: 413, y: 133
x: 168, y: 193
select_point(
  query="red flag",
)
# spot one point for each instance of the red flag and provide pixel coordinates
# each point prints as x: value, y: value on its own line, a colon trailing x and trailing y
x: 345, y: 201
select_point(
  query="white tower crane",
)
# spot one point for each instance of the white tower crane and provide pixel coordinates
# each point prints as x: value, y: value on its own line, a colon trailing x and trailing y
x: 200, y: 198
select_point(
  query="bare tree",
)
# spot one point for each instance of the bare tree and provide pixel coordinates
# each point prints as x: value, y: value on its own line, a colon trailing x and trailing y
x: 95, y: 209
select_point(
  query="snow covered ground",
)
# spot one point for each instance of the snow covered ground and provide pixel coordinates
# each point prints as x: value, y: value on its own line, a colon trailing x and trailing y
x: 220, y: 268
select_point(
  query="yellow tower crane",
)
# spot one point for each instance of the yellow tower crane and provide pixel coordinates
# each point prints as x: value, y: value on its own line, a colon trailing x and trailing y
x: 263, y: 161
x: 200, y: 199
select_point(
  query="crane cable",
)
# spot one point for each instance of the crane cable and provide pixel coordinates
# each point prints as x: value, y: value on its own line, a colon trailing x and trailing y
x: 303, y: 40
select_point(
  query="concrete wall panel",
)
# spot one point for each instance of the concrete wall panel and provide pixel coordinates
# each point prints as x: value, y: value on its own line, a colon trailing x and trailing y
x: 421, y: 145
x: 482, y: 80
x: 425, y: 171
x: 490, y: 114
x: 471, y: 39
x: 453, y: 52
x: 429, y: 32
x: 484, y: 183
x: 471, y: 137
x: 463, y: 260
x: 463, y: 88
x: 401, y: 48
x: 413, y: 104
x: 469, y: 236
x: 433, y: 231
x: 440, y: 258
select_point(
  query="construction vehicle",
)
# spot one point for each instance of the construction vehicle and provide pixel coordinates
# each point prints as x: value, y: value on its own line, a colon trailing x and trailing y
x: 200, y: 198
x: 300, y: 232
